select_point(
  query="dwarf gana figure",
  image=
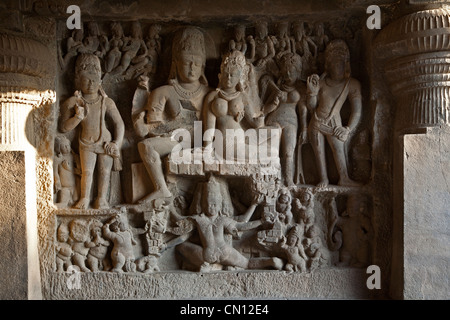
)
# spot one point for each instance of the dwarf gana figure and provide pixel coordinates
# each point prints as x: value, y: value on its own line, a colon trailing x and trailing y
x: 98, y: 248
x: 89, y: 108
x: 79, y: 235
x: 293, y: 248
x: 122, y: 255
x: 63, y: 249
x: 318, y: 255
x: 304, y: 208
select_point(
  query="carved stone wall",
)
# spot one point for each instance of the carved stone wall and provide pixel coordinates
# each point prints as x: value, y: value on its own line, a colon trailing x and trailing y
x: 120, y: 214
x: 414, y: 52
x: 24, y: 91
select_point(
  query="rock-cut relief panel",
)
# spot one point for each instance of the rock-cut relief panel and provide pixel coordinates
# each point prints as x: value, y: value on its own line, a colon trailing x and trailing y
x: 255, y: 161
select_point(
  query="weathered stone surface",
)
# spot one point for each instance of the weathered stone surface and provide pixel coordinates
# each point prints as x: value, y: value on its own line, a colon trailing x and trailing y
x: 13, y: 227
x: 321, y: 284
x: 427, y: 214
x: 338, y: 200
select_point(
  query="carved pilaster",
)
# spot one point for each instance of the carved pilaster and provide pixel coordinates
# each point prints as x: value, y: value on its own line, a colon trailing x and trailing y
x: 414, y: 51
x: 24, y: 84
x: 15, y: 106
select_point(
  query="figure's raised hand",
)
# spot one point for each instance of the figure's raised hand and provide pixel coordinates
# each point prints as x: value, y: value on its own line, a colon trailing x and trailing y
x: 143, y: 82
x: 282, y: 96
x: 257, y: 198
x: 239, y: 116
x: 80, y: 112
x: 313, y: 84
x: 235, y: 233
x: 276, y: 101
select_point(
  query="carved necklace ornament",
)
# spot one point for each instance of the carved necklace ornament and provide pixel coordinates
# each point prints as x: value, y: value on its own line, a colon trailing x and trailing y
x: 287, y: 88
x: 228, y: 96
x: 91, y: 102
x: 88, y: 103
x: 186, y: 94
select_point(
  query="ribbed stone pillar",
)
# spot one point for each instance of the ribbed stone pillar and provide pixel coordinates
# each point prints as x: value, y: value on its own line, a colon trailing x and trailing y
x: 24, y: 86
x: 414, y: 52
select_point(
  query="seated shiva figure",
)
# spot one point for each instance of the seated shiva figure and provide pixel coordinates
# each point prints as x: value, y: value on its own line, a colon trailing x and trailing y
x: 169, y: 107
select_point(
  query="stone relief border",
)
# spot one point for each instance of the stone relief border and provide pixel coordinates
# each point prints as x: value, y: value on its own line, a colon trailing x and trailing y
x: 139, y: 217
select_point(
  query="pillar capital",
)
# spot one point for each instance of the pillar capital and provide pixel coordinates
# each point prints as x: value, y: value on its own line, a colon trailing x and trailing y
x: 415, y: 54
x: 25, y: 79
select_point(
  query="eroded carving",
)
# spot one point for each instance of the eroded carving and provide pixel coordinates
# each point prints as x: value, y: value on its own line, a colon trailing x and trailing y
x: 66, y: 166
x: 122, y: 254
x: 210, y: 216
x: 285, y: 110
x: 176, y: 104
x: 63, y: 249
x: 89, y: 108
x: 351, y: 231
x: 216, y: 228
x: 326, y: 96
x: 294, y: 250
x: 239, y: 42
x: 79, y: 235
x: 98, y: 248
x: 232, y: 104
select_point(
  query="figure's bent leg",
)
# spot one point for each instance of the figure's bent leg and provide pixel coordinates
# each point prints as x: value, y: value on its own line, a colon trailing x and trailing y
x: 92, y: 263
x: 118, y: 261
x: 87, y: 160
x: 232, y: 257
x: 130, y: 266
x: 59, y: 265
x: 289, y: 267
x: 65, y: 197
x: 262, y: 263
x: 151, y: 151
x: 79, y: 261
x: 318, y: 144
x: 191, y: 253
x: 105, y: 163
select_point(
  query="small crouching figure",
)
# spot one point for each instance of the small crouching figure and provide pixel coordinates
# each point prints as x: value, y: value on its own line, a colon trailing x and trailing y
x: 122, y: 255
